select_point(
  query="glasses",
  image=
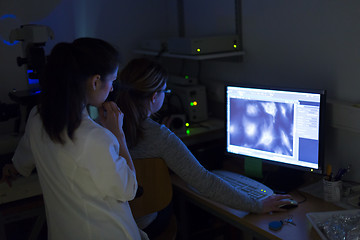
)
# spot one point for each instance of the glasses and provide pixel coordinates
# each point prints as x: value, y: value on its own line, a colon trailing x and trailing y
x: 166, y: 91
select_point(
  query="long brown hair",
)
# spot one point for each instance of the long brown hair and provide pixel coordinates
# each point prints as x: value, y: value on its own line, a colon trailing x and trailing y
x: 63, y: 91
x: 138, y: 81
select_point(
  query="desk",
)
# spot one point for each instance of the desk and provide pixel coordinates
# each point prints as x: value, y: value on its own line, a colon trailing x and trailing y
x: 256, y: 225
x: 21, y: 188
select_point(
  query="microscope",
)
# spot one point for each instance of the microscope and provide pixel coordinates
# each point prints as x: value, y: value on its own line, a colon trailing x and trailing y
x: 33, y: 38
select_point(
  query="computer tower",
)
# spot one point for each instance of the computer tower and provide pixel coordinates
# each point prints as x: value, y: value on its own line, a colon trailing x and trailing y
x: 193, y: 101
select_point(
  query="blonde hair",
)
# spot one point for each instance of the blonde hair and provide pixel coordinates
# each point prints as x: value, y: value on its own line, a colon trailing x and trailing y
x: 138, y: 81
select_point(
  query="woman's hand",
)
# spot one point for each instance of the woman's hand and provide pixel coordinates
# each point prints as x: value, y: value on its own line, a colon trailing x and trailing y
x: 111, y: 117
x: 273, y: 203
x: 9, y: 173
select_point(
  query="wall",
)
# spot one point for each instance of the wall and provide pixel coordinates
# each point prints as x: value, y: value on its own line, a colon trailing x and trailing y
x: 305, y: 44
x: 207, y: 18
x: 122, y: 23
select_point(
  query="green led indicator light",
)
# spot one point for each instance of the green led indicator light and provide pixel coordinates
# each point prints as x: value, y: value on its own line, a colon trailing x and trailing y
x: 188, y: 131
x: 198, y: 50
x: 235, y: 46
x: 187, y: 124
x: 194, y: 103
x: 186, y: 77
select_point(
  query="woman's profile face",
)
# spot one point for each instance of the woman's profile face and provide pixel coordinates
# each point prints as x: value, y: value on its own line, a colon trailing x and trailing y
x: 107, y: 85
x: 98, y: 97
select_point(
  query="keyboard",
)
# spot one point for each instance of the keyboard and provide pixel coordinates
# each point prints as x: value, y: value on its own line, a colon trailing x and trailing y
x: 251, y: 187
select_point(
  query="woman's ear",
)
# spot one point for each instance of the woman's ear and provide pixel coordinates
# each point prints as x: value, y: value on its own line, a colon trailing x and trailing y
x: 95, y: 82
x: 153, y: 97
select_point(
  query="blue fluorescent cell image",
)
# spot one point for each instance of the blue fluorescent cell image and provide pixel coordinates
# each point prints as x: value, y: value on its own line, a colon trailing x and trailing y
x: 262, y: 125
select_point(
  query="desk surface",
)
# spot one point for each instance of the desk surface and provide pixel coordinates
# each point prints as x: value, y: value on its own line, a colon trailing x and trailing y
x: 21, y: 188
x: 257, y: 224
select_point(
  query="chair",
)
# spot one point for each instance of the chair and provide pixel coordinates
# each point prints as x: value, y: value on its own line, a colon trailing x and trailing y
x: 154, y: 178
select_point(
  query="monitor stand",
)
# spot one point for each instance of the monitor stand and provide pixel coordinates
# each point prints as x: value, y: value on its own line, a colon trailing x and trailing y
x: 283, y: 180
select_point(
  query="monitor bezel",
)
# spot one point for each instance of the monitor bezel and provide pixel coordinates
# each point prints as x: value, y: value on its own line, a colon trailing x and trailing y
x: 322, y: 125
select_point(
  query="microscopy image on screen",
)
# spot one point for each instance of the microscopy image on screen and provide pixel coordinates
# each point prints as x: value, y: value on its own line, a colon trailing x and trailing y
x: 262, y: 125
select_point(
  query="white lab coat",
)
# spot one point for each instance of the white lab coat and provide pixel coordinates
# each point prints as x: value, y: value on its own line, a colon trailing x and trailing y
x: 85, y: 183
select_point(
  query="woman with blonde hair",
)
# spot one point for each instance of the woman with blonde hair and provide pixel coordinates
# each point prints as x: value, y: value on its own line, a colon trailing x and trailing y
x: 142, y: 88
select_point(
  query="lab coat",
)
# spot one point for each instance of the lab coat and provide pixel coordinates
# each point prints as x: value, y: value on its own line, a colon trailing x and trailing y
x: 86, y: 184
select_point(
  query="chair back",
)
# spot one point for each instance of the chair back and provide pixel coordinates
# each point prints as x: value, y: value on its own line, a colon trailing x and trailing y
x: 153, y: 176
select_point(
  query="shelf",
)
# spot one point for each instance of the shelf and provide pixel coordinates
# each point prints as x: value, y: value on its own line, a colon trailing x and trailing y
x: 192, y: 57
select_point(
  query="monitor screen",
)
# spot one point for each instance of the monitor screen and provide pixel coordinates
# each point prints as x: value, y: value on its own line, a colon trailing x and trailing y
x: 281, y: 126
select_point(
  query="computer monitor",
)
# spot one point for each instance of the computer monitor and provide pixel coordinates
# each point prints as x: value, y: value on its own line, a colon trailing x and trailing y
x: 284, y: 127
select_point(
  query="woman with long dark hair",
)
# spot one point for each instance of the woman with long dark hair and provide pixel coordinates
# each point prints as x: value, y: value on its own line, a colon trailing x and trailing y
x: 85, y: 170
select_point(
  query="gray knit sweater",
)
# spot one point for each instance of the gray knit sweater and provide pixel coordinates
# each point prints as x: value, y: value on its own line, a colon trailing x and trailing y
x: 160, y: 142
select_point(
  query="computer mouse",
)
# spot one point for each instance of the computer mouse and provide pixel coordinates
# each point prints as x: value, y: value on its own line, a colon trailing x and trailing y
x: 288, y: 204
